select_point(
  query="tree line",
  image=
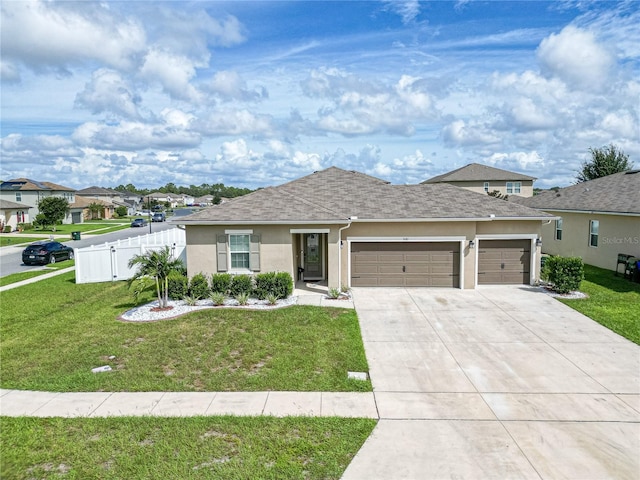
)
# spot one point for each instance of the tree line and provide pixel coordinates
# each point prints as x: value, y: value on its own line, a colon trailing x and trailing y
x: 217, y: 190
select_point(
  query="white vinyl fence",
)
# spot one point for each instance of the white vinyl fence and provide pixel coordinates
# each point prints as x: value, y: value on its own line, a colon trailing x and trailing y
x: 108, y: 262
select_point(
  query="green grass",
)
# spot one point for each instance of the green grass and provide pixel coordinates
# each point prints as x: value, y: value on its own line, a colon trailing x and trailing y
x: 613, y: 302
x: 105, y: 226
x: 54, y: 340
x: 8, y: 241
x: 194, y: 448
x: 18, y: 277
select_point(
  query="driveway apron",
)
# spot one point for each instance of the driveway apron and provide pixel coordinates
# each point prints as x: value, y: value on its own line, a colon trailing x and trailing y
x: 498, y: 382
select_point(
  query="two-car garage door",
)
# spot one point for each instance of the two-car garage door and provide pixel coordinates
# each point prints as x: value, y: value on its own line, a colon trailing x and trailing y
x: 405, y: 264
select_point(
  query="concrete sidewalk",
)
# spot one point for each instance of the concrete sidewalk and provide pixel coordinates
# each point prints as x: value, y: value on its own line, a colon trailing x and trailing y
x: 19, y: 403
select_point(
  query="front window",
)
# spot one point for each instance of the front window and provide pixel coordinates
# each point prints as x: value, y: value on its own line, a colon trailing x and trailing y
x: 486, y: 187
x: 239, y: 251
x: 18, y: 196
x: 514, y: 187
x: 559, y: 229
x: 594, y: 226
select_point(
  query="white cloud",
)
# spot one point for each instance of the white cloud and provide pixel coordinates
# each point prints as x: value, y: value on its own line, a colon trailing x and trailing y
x: 461, y: 133
x: 575, y: 56
x: 174, y: 72
x: 407, y: 9
x: 54, y: 35
x: 108, y: 91
x: 229, y: 85
x: 518, y: 161
x: 236, y: 122
x: 128, y: 135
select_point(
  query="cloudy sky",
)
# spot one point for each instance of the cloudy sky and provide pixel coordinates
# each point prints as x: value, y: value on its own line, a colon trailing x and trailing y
x: 257, y: 93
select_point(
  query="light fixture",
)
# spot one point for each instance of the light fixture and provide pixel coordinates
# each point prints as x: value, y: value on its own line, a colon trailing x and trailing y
x: 538, y: 242
x: 472, y: 244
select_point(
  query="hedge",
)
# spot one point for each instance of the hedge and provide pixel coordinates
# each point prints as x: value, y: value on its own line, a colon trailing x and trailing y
x: 565, y: 273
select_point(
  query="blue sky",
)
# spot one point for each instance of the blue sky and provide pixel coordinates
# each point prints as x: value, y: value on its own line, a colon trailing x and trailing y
x: 258, y: 93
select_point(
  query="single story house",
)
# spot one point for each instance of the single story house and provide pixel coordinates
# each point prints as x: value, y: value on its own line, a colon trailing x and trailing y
x: 484, y: 179
x: 83, y: 204
x: 12, y: 213
x: 598, y: 219
x: 348, y: 228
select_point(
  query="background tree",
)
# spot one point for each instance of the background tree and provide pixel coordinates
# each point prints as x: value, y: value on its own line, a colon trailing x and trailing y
x: 604, y: 161
x: 157, y: 264
x: 54, y: 210
x: 121, y: 211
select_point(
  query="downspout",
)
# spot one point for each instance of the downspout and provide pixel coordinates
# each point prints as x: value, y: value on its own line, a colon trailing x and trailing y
x: 340, y: 251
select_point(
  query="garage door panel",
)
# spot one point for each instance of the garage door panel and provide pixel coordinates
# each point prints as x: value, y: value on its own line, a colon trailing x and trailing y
x: 504, y: 262
x: 394, y: 264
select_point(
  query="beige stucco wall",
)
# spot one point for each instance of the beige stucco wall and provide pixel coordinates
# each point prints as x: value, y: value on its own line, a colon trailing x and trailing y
x: 526, y: 190
x: 618, y: 234
x: 279, y: 249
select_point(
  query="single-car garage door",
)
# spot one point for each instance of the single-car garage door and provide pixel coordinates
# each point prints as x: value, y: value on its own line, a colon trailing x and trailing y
x: 504, y: 262
x: 405, y: 264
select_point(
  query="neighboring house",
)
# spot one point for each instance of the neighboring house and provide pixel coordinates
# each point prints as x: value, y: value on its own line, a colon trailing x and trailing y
x: 599, y: 219
x: 109, y: 198
x: 83, y: 203
x: 204, y: 201
x: 12, y: 213
x: 484, y: 179
x: 173, y: 199
x: 29, y: 192
x: 352, y: 229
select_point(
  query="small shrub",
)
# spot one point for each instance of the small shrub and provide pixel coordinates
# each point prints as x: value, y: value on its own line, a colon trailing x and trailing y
x: 283, y: 285
x: 221, y: 282
x: 7, y: 229
x: 177, y: 285
x: 217, y: 298
x: 240, y: 284
x: 334, y: 293
x: 199, y: 286
x: 271, y: 299
x: 565, y: 273
x: 344, y: 288
x: 242, y: 298
x: 191, y: 301
x: 121, y: 211
x: 265, y: 284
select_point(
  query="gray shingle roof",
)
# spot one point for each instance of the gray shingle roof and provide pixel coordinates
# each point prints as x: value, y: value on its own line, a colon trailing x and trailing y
x: 478, y: 173
x: 617, y: 193
x: 97, y: 191
x: 7, y: 205
x: 334, y: 195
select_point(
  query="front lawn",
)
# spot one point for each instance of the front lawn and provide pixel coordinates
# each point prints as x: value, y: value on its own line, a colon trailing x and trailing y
x: 53, y: 332
x: 10, y: 240
x: 613, y: 302
x: 18, y: 277
x: 94, y: 226
x: 195, y: 448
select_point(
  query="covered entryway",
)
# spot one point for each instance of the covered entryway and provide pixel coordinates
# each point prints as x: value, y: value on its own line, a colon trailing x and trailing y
x: 502, y: 262
x: 405, y: 264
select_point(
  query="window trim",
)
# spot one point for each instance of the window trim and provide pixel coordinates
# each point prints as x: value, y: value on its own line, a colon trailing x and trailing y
x: 223, y: 247
x: 594, y: 236
x: 558, y: 233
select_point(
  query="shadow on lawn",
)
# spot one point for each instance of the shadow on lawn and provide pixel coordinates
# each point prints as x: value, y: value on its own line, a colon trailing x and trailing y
x: 608, y: 279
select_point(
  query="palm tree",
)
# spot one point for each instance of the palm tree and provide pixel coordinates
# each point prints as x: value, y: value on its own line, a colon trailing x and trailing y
x: 157, y: 264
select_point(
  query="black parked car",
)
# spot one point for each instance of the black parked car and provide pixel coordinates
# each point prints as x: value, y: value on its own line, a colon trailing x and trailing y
x: 139, y: 222
x: 41, y: 253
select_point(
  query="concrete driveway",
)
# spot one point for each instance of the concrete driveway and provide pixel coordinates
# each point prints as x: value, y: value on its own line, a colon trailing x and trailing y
x: 498, y: 382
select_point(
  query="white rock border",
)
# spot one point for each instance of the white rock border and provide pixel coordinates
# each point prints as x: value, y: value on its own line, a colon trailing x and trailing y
x: 144, y: 313
x: 574, y: 295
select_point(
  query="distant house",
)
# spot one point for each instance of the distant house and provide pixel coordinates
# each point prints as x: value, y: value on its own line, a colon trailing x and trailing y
x: 27, y: 192
x: 173, y: 199
x: 84, y: 204
x: 12, y: 213
x: 599, y: 219
x: 111, y: 199
x: 484, y: 179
